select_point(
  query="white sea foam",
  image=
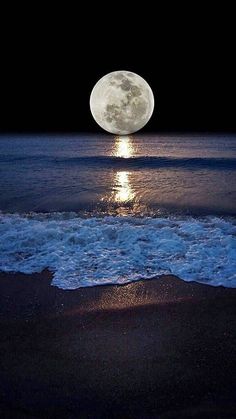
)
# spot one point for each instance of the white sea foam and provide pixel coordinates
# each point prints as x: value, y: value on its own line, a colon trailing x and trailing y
x: 84, y: 252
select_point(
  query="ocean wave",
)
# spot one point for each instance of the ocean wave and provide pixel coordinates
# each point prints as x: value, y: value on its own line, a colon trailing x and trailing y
x: 84, y: 252
x: 25, y: 158
x: 153, y: 162
x: 140, y: 162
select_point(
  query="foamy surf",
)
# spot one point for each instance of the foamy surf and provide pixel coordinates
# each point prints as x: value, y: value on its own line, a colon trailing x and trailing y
x: 84, y: 252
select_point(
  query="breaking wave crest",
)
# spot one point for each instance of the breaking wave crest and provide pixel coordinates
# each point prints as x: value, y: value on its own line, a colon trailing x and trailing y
x: 84, y: 252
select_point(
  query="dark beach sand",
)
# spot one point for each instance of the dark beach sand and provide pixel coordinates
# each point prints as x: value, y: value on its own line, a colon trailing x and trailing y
x: 161, y: 348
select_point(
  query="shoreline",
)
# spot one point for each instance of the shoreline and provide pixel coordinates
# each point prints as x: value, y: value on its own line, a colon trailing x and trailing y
x: 155, y: 348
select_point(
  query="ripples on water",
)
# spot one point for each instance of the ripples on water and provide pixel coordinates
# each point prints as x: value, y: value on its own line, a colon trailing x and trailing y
x: 104, y: 209
x: 138, y: 174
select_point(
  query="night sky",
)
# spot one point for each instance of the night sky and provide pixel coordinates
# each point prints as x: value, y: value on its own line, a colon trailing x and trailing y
x: 48, y: 71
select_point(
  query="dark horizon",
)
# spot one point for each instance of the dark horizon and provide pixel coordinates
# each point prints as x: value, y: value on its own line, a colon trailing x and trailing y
x: 180, y: 106
x: 46, y: 77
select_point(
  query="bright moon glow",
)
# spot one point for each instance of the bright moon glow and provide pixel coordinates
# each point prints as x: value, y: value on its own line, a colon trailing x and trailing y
x: 123, y: 147
x: 122, y: 102
x: 124, y: 192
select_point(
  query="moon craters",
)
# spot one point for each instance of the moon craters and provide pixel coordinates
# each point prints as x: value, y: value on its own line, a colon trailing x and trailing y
x: 121, y: 102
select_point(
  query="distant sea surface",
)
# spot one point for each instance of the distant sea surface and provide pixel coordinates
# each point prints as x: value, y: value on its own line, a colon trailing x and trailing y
x: 98, y: 209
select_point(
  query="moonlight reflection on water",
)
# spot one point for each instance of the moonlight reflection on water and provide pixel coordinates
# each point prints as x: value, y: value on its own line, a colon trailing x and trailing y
x: 123, y: 147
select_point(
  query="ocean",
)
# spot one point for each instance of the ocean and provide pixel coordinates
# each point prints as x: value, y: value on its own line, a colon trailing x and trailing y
x: 100, y: 209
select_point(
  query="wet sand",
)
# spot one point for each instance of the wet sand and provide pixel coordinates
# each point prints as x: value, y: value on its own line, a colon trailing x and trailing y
x: 162, y: 348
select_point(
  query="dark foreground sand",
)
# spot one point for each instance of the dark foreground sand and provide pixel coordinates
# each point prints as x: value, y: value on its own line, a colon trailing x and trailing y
x: 153, y: 349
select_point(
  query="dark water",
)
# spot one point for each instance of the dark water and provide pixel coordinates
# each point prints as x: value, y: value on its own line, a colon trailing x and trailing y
x: 103, y: 209
x: 136, y: 174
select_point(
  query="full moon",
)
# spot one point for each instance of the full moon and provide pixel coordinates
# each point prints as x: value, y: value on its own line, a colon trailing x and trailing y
x: 122, y: 102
